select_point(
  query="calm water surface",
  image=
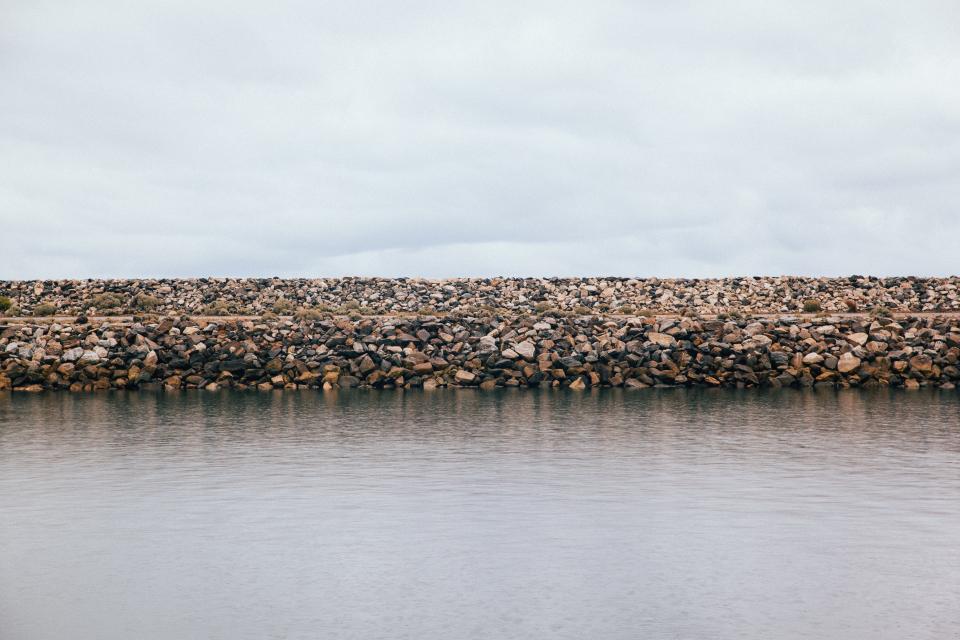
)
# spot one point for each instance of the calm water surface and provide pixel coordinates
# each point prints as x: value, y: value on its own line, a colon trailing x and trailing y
x: 463, y: 515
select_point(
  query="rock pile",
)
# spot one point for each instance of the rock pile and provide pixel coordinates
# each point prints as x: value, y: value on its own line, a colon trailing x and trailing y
x: 383, y: 296
x: 486, y: 352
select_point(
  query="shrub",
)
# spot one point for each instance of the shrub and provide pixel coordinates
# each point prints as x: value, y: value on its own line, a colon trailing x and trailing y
x: 542, y: 307
x: 216, y: 308
x: 811, y: 305
x: 44, y: 309
x: 104, y: 301
x: 881, y: 312
x: 426, y: 311
x: 308, y: 314
x: 5, y: 304
x: 646, y: 313
x: 581, y: 310
x: 144, y: 302
x: 283, y: 307
x: 627, y: 309
x: 13, y: 311
x: 351, y: 304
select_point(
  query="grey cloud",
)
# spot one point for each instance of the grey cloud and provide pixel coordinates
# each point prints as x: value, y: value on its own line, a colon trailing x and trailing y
x: 440, y: 139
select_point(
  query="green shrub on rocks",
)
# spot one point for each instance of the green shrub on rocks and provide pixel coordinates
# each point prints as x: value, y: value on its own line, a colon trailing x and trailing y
x: 542, y: 307
x: 308, y: 314
x: 144, y: 302
x: 626, y: 310
x: 5, y: 304
x: 881, y: 312
x: 44, y: 309
x: 104, y: 302
x: 811, y: 305
x: 283, y: 307
x: 216, y: 308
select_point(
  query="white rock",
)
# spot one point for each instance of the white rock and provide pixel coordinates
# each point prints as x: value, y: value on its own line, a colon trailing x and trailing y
x: 848, y: 362
x: 526, y: 350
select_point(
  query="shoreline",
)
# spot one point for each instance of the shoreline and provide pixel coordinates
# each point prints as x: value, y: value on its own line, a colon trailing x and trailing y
x: 486, y: 352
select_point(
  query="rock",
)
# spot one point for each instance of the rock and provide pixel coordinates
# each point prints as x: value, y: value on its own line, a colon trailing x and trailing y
x: 526, y: 350
x: 487, y: 344
x: 465, y: 377
x: 812, y: 358
x: 578, y: 384
x: 366, y: 364
x: 858, y: 338
x: 424, y: 368
x: 922, y: 363
x: 661, y: 339
x: 847, y: 363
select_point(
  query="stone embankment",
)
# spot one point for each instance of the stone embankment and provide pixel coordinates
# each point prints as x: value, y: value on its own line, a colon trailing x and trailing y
x: 403, y: 296
x: 490, y: 351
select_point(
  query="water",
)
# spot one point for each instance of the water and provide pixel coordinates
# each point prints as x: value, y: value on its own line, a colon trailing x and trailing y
x: 708, y: 514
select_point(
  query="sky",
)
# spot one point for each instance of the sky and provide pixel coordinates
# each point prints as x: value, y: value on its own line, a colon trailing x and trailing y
x: 442, y: 139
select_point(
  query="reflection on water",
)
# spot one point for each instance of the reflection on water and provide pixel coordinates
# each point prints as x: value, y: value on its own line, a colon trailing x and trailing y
x: 612, y: 514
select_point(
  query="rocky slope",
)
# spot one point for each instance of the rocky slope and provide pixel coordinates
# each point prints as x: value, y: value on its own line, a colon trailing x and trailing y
x: 381, y: 296
x: 485, y: 351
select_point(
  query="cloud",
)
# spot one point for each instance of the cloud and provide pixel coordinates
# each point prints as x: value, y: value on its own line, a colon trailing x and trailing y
x: 442, y: 139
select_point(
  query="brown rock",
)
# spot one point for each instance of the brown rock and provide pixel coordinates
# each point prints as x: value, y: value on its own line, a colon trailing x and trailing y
x: 465, y: 377
x: 922, y: 363
x: 847, y: 363
x: 661, y: 339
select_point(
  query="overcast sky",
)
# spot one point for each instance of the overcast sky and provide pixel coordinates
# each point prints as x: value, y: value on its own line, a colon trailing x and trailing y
x: 479, y: 138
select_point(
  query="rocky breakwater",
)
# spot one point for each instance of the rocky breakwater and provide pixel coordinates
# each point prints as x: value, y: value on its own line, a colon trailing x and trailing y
x: 396, y: 296
x: 485, y: 352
